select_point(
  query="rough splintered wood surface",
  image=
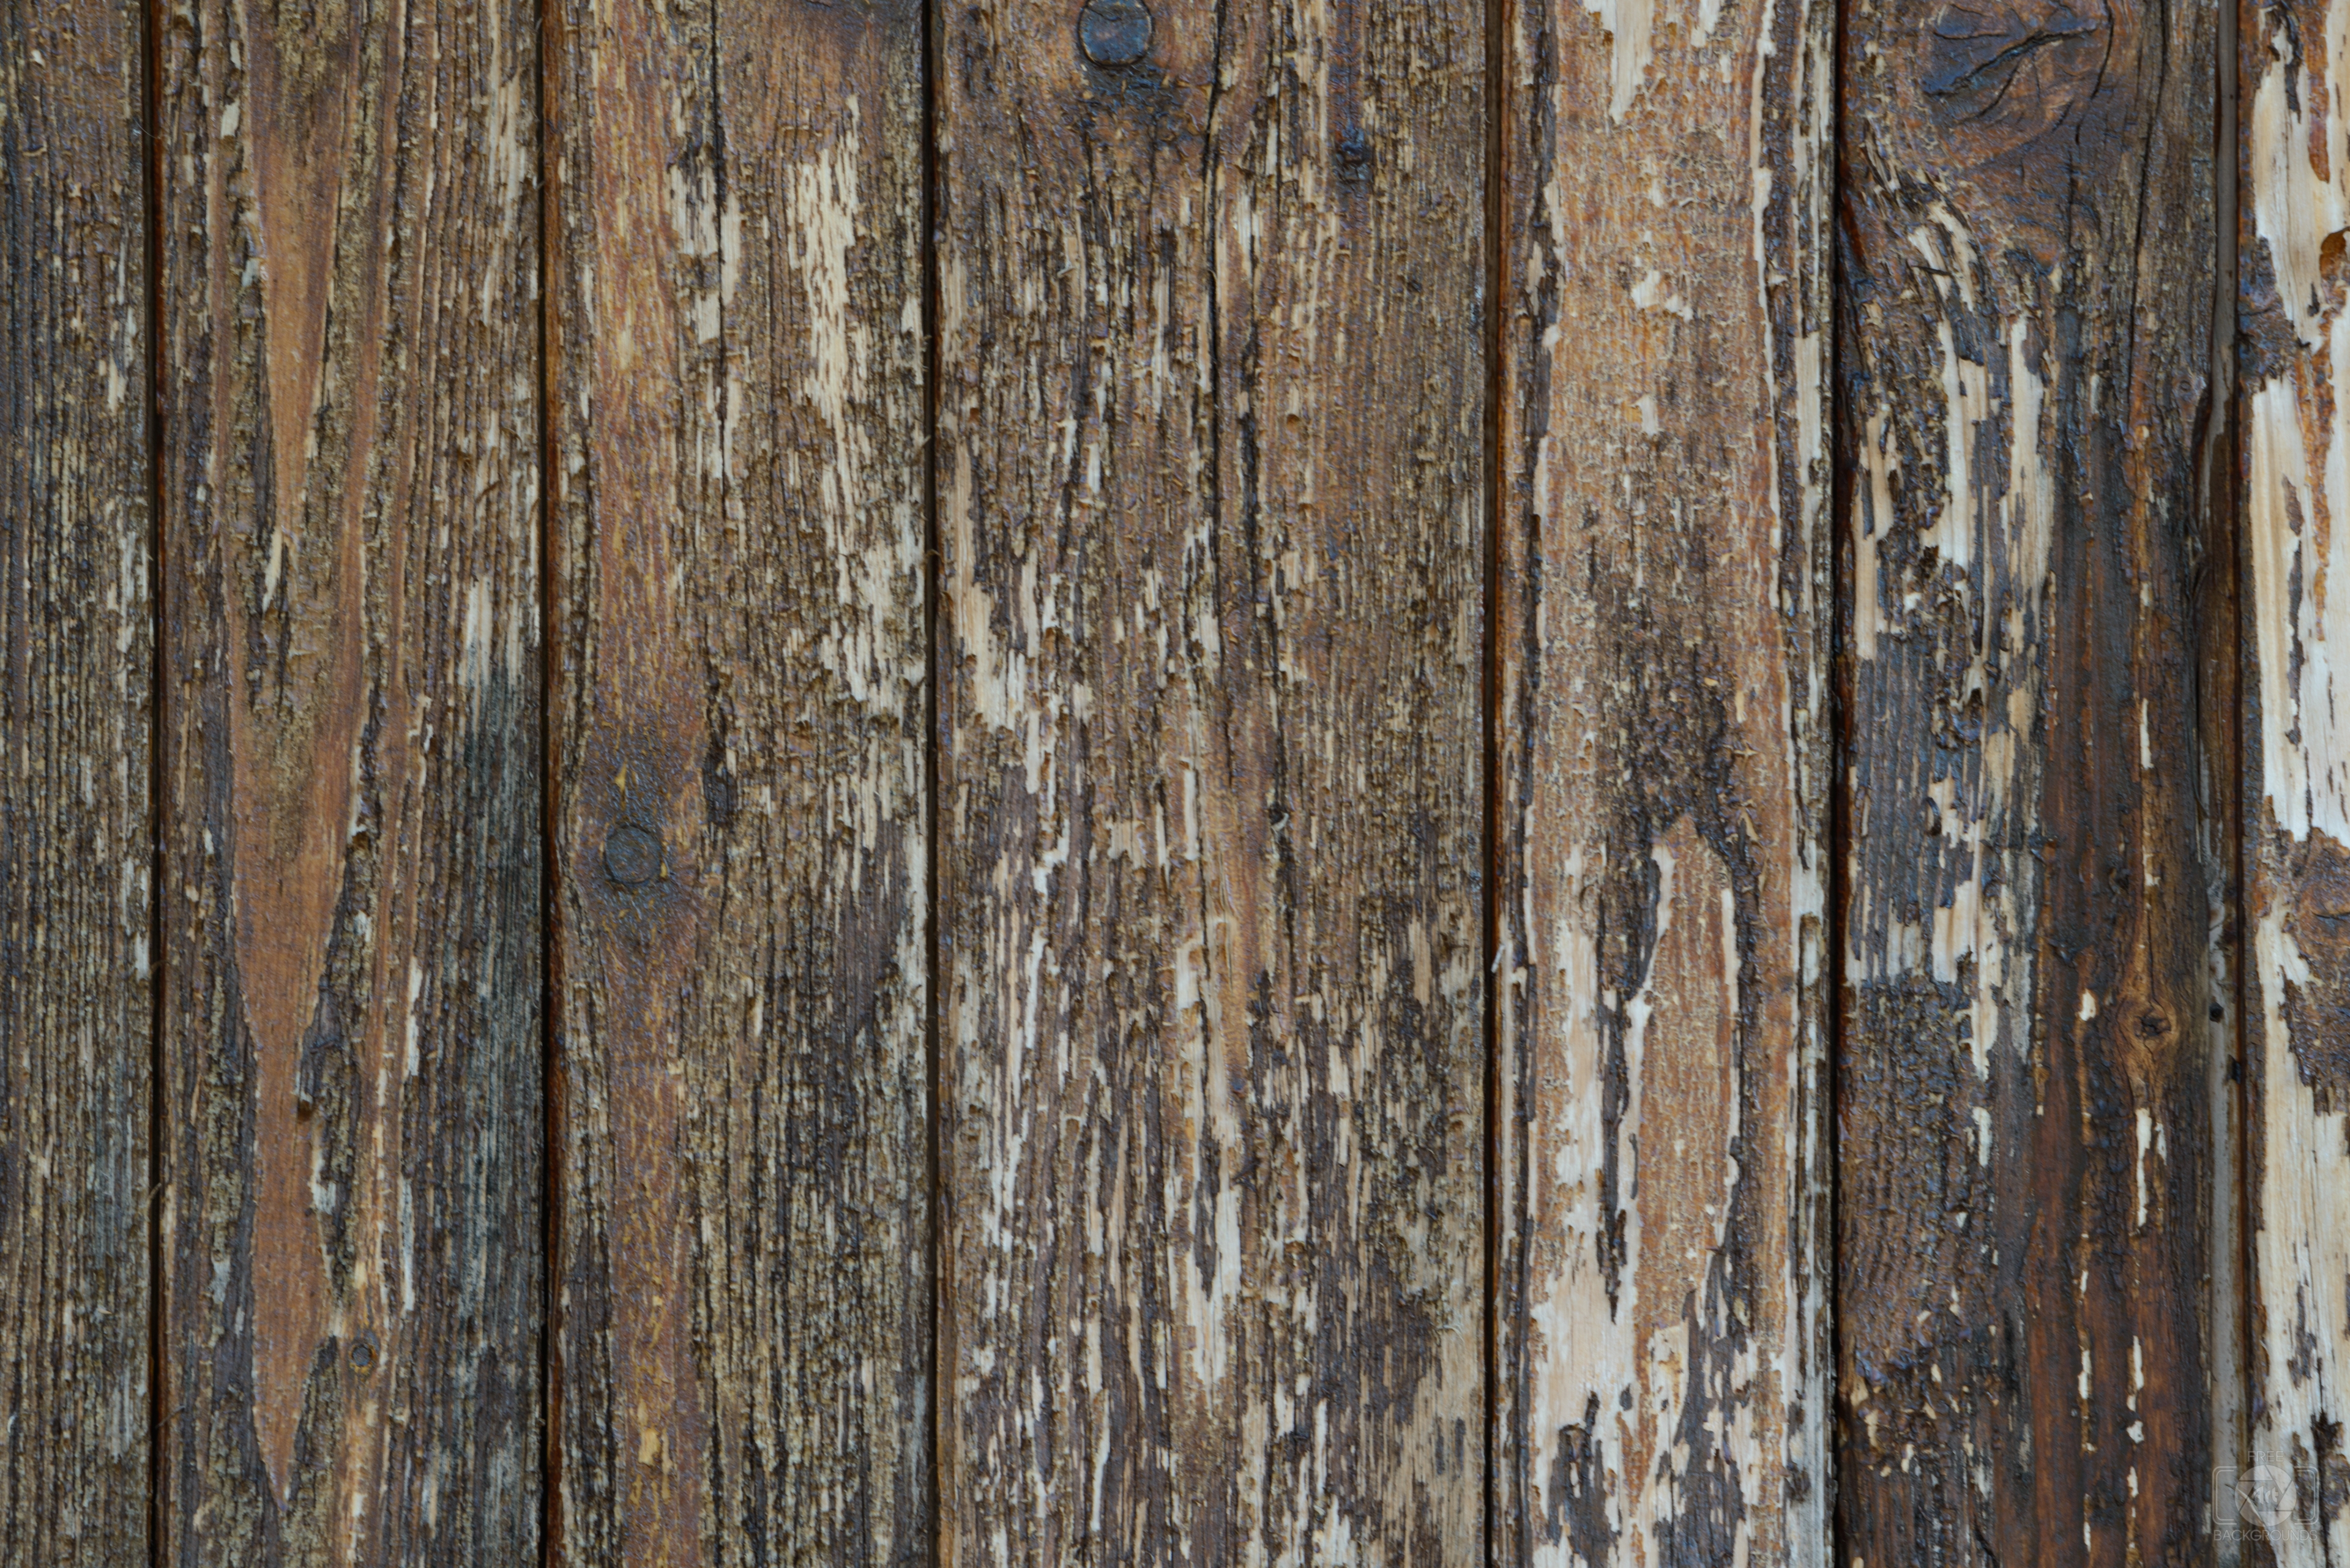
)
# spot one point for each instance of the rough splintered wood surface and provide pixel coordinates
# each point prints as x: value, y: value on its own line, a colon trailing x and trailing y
x: 350, y: 475
x: 2296, y: 717
x: 739, y: 694
x: 1211, y: 497
x: 1660, y: 1304
x: 2023, y: 359
x: 75, y: 1001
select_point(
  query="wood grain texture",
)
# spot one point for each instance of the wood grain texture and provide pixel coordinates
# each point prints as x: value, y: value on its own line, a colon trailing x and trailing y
x: 2217, y: 606
x: 1660, y: 1309
x: 744, y: 1323
x: 350, y: 477
x: 1211, y: 500
x: 76, y: 1002
x: 2294, y: 350
x: 2025, y: 1114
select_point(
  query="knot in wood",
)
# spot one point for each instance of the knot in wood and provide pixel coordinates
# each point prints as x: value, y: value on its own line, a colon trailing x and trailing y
x: 1115, y: 32
x: 2003, y: 76
x: 1353, y: 151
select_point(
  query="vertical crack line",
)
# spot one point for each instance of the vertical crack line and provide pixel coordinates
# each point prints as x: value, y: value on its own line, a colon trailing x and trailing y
x: 151, y: 116
x: 933, y: 670
x: 550, y: 1081
x: 1839, y: 674
x: 1496, y: 16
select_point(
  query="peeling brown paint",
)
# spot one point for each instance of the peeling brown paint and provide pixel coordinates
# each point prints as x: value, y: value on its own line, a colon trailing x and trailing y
x: 1660, y: 1311
x: 1211, y: 513
x: 351, y: 1029
x: 736, y: 358
x: 2317, y: 987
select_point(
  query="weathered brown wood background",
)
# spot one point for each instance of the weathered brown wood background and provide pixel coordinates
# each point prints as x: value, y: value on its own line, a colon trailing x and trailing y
x: 1139, y: 782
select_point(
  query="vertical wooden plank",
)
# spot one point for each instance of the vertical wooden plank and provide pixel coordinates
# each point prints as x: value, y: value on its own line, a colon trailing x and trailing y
x: 76, y: 1002
x: 2024, y: 1164
x: 2218, y: 611
x: 2293, y: 349
x: 350, y: 488
x: 736, y: 360
x: 1660, y: 1314
x: 1211, y: 491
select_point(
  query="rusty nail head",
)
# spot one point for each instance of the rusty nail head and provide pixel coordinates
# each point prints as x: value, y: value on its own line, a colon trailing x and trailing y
x: 632, y: 855
x: 1115, y: 32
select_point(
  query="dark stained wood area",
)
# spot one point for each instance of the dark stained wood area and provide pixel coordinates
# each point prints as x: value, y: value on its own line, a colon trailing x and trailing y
x: 1664, y: 745
x: 2023, y: 1115
x: 77, y: 965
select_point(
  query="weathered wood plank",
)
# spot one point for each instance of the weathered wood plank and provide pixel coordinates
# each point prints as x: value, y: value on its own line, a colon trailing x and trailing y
x: 2024, y: 1164
x: 75, y: 1000
x: 1660, y: 1309
x: 350, y: 479
x: 1211, y: 491
x: 2295, y: 348
x: 735, y: 331
x: 2217, y: 609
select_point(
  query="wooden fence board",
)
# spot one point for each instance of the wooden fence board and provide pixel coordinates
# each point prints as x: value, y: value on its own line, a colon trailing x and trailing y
x: 1664, y: 746
x: 76, y: 999
x: 350, y: 475
x: 741, y: 688
x: 2023, y: 1104
x: 2295, y: 720
x: 1211, y: 490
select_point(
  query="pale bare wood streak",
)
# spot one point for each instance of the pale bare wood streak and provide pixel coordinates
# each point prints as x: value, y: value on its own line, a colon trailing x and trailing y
x: 2295, y: 801
x: 1662, y: 1311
